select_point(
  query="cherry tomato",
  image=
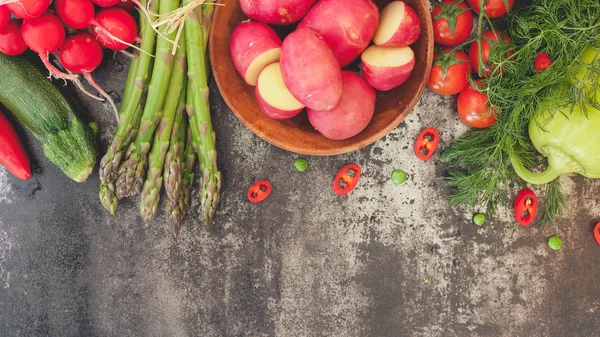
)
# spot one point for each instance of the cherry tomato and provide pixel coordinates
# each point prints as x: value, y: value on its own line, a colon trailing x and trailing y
x: 452, y: 22
x: 474, y: 108
x: 542, y: 62
x: 487, y: 36
x: 597, y: 233
x: 492, y: 8
x: 449, y: 73
x: 259, y: 191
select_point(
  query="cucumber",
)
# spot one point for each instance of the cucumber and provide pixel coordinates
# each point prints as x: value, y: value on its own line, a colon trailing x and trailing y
x: 45, y: 112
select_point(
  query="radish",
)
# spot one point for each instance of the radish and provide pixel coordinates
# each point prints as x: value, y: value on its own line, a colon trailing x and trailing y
x: 27, y: 9
x: 44, y: 35
x: 106, y: 3
x: 116, y: 29
x: 75, y: 14
x: 82, y: 54
x: 11, y: 40
x: 4, y: 16
x: 127, y: 5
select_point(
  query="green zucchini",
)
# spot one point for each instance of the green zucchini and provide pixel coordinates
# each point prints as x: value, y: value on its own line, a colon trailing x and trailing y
x: 45, y: 112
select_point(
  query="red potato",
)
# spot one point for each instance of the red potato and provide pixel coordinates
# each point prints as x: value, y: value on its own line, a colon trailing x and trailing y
x: 386, y: 68
x: 399, y: 26
x: 11, y: 40
x: 274, y: 98
x: 352, y: 30
x: 4, y: 16
x: 253, y: 46
x: 276, y: 12
x: 310, y: 70
x: 352, y: 114
x: 28, y: 9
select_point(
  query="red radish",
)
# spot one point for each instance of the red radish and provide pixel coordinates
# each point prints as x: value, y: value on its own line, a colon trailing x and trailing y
x: 75, y: 14
x: 106, y: 3
x: 11, y: 40
x: 116, y: 29
x: 82, y: 54
x: 4, y: 16
x: 44, y: 35
x: 27, y: 9
x: 127, y: 5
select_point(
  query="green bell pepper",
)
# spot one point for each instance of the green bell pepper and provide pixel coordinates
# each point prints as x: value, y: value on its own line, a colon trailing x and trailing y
x: 569, y: 139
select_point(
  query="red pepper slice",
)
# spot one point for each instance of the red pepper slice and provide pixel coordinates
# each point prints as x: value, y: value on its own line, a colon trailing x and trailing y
x: 597, y: 233
x: 525, y: 206
x: 346, y: 179
x: 259, y: 191
x: 426, y: 143
x: 12, y: 152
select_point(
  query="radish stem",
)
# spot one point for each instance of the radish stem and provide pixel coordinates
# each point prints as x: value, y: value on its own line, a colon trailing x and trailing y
x: 93, y: 83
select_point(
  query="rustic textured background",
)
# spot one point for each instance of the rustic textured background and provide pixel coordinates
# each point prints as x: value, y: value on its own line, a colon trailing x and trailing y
x: 385, y: 260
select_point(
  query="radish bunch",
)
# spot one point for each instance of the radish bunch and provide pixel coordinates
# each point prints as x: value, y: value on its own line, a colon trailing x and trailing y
x: 74, y: 31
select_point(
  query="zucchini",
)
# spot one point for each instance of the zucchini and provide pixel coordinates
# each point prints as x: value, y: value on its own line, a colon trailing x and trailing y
x: 45, y: 112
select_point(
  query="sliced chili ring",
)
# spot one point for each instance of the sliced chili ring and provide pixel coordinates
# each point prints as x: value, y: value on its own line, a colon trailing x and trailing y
x: 259, y: 191
x: 525, y: 207
x: 426, y: 143
x: 346, y: 179
x: 597, y: 233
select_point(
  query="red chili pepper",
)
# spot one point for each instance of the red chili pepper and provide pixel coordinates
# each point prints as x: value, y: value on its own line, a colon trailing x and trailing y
x: 346, y: 179
x: 597, y: 233
x: 525, y: 207
x: 12, y: 152
x: 426, y: 143
x: 542, y: 62
x: 259, y: 191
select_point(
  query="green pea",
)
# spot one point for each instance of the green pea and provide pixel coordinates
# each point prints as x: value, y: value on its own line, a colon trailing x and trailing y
x: 398, y: 177
x: 301, y: 164
x: 479, y: 219
x: 554, y: 242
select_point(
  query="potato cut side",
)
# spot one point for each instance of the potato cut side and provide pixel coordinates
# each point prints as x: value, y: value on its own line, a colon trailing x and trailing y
x: 273, y: 90
x: 388, y: 56
x: 260, y: 63
x: 390, y: 18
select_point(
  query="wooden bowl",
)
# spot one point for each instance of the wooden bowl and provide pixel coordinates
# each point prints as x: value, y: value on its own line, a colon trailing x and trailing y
x: 296, y: 134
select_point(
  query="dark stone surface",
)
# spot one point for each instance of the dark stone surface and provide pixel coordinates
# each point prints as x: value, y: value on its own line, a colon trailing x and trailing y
x: 385, y: 260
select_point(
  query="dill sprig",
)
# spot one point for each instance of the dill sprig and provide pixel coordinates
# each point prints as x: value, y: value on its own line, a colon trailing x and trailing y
x: 480, y: 173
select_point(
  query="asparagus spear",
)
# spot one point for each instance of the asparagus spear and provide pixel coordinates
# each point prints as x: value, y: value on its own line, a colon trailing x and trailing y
x: 175, y: 96
x: 132, y: 170
x: 174, y: 168
x: 204, y: 136
x: 188, y: 172
x: 108, y: 195
x: 133, y: 102
x: 178, y: 206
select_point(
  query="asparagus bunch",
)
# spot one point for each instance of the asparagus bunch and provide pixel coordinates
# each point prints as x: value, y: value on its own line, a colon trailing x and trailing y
x: 133, y: 169
x: 175, y: 97
x: 197, y: 25
x: 165, y: 124
x: 131, y: 111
